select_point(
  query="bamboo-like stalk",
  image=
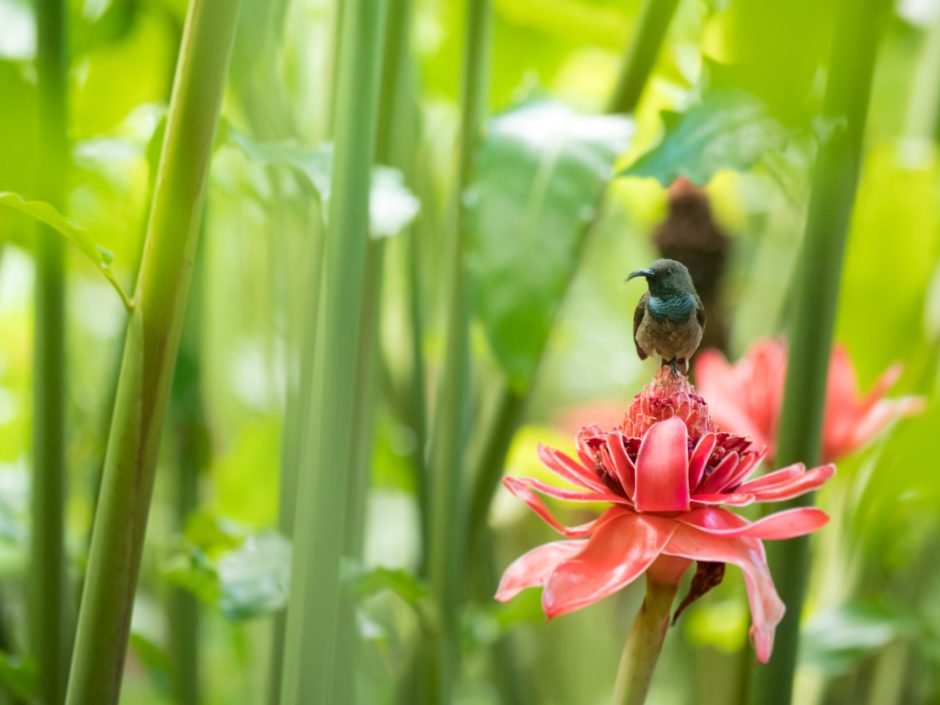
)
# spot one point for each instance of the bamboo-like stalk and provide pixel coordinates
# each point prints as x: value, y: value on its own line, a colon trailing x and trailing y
x: 327, y: 401
x: 644, y: 642
x: 150, y: 354
x: 642, y: 50
x: 447, y: 447
x: 816, y: 290
x: 47, y: 569
x: 193, y: 455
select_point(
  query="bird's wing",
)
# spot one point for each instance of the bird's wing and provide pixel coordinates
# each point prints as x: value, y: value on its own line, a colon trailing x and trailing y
x: 637, y: 320
x: 700, y: 313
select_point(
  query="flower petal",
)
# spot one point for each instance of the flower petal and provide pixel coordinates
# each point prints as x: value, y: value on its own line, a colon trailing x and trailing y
x: 773, y: 478
x: 871, y: 424
x: 809, y: 480
x: 532, y: 569
x: 748, y: 554
x: 699, y: 458
x: 620, y: 549
x: 523, y: 490
x: 737, y: 498
x: 783, y: 525
x: 623, y: 466
x: 720, y: 384
x: 718, y: 478
x: 568, y: 469
x: 662, y: 468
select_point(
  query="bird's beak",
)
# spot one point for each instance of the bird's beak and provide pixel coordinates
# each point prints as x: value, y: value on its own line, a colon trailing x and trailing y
x: 646, y: 273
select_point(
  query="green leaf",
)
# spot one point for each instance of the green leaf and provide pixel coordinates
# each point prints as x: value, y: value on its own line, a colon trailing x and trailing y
x: 727, y: 129
x: 19, y: 675
x: 392, y: 207
x: 540, y: 173
x: 837, y: 640
x: 370, y: 581
x: 71, y: 231
x: 156, y: 661
x: 241, y: 574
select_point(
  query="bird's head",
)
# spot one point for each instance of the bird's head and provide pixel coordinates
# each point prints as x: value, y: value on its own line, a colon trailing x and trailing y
x: 665, y: 277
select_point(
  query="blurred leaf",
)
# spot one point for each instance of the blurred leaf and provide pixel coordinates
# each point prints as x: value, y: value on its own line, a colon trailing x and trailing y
x: 837, y: 640
x: 392, y: 207
x: 156, y: 661
x: 539, y: 177
x: 369, y: 581
x: 17, y: 31
x: 71, y: 231
x: 727, y: 129
x: 19, y: 675
x: 241, y: 574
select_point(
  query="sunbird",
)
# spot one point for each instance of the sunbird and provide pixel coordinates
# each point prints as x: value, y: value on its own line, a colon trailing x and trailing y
x: 669, y: 319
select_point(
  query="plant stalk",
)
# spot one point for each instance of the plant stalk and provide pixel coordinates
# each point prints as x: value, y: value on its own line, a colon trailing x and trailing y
x: 447, y: 442
x: 817, y: 279
x: 640, y: 57
x: 150, y: 350
x: 644, y: 643
x: 193, y: 455
x: 47, y: 569
x: 326, y: 471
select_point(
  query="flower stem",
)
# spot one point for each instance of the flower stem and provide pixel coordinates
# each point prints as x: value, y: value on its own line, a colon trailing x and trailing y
x: 642, y: 50
x: 644, y: 642
x: 153, y: 336
x: 816, y: 289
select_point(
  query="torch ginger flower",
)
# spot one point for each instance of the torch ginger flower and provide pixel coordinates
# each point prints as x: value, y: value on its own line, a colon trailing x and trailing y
x: 746, y: 398
x: 665, y: 472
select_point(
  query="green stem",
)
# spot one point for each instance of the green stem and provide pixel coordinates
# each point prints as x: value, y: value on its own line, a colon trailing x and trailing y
x: 363, y: 432
x: 326, y: 472
x: 644, y: 642
x: 47, y: 570
x: 817, y: 278
x: 193, y: 455
x: 504, y: 421
x: 640, y: 57
x: 150, y: 351
x: 447, y: 447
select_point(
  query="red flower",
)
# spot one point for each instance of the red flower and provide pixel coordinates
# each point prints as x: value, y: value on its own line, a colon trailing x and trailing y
x: 664, y: 473
x: 746, y: 398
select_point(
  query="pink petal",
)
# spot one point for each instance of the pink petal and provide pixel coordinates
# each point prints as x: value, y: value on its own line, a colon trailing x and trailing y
x: 533, y: 568
x: 748, y: 554
x: 720, y: 384
x: 737, y: 499
x: 662, y: 468
x: 783, y: 525
x: 749, y: 460
x: 809, y: 480
x: 700, y: 456
x: 569, y: 470
x: 773, y: 478
x: 524, y: 492
x: 585, y: 453
x: 623, y: 466
x: 718, y: 478
x: 620, y: 549
x: 875, y: 421
x: 514, y: 484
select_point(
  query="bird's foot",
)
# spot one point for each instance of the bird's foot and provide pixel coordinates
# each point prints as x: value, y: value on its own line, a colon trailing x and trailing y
x: 675, y: 369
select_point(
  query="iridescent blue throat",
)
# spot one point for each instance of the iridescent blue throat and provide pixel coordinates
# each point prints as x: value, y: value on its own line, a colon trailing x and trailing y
x: 674, y: 307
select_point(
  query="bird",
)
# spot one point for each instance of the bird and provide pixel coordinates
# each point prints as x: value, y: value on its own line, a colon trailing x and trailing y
x: 669, y: 319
